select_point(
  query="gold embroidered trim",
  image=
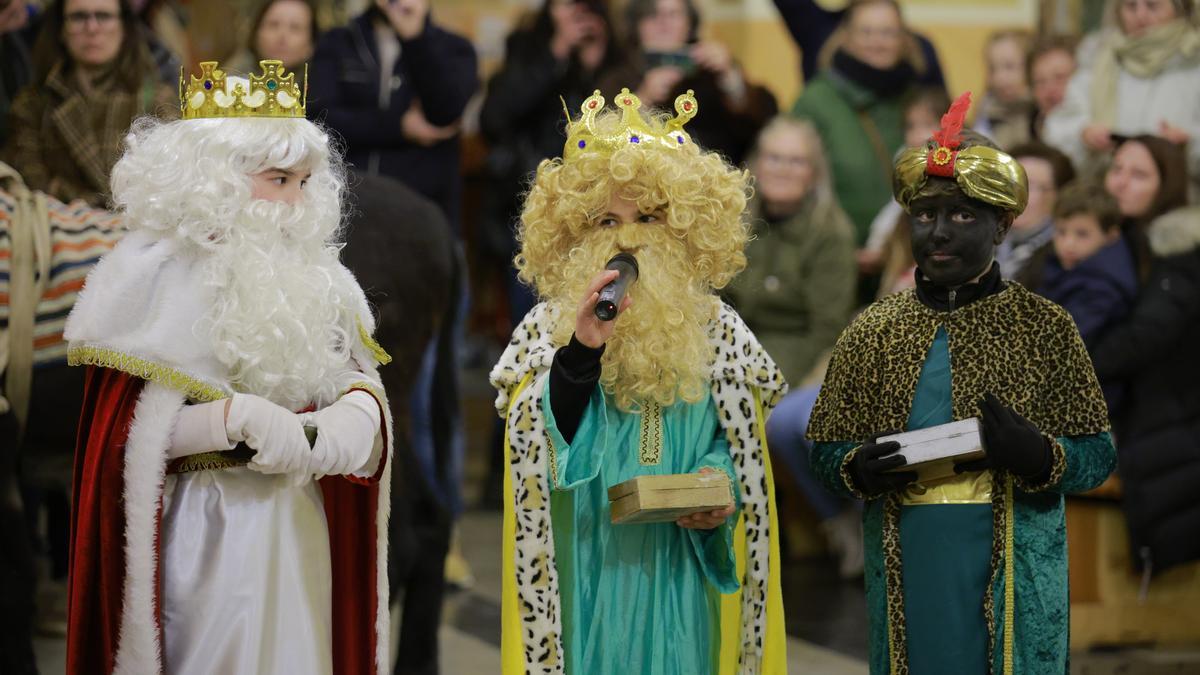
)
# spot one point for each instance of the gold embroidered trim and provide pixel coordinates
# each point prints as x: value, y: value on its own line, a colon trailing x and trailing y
x: 1009, y: 582
x: 553, y: 462
x: 205, y: 461
x: 1001, y: 517
x: 193, y: 388
x: 368, y: 387
x: 381, y: 356
x: 650, y: 446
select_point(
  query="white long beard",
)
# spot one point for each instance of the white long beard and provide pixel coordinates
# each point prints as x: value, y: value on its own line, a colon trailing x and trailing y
x: 282, y: 319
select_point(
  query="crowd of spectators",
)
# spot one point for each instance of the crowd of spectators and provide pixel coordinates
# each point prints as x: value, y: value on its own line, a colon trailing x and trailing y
x: 1105, y: 126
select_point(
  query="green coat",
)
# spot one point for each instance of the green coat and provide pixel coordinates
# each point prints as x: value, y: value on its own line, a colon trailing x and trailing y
x: 861, y: 133
x: 798, y: 287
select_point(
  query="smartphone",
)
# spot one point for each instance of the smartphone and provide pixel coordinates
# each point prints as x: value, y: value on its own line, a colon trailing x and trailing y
x: 681, y: 59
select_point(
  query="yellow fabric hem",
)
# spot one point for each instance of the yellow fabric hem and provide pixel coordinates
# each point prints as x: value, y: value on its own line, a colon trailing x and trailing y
x: 774, y: 658
x: 512, y: 651
x: 195, y: 389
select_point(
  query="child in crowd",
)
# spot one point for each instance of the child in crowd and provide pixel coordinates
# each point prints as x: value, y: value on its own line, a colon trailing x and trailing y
x: 1091, y: 272
x: 1006, y: 112
x: 922, y: 113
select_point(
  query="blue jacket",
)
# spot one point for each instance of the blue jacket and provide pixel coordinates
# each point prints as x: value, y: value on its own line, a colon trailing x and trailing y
x: 438, y: 69
x: 1098, y: 293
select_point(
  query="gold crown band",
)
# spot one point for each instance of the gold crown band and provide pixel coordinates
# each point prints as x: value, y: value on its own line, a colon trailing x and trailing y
x: 273, y: 93
x: 583, y: 136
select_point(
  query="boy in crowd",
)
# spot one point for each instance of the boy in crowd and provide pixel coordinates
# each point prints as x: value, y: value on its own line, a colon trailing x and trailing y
x: 1091, y: 273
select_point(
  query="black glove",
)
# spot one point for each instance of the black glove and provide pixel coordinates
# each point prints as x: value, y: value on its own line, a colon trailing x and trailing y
x: 1011, y: 442
x: 869, y: 468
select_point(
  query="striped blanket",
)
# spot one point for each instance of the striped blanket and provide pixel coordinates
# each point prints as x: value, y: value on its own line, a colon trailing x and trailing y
x: 47, y: 249
x: 79, y: 236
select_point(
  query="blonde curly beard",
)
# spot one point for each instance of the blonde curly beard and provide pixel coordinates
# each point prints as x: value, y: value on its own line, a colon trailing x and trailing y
x: 659, y: 351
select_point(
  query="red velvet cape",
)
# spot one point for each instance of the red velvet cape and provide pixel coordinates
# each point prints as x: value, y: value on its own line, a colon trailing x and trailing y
x: 97, y: 556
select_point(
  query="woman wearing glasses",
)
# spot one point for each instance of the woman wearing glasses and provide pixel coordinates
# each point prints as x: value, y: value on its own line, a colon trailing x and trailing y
x: 796, y: 294
x: 93, y: 74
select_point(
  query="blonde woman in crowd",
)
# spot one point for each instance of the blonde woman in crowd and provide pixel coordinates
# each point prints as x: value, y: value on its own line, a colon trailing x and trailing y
x: 1006, y: 111
x: 796, y: 294
x: 856, y: 102
x: 282, y: 29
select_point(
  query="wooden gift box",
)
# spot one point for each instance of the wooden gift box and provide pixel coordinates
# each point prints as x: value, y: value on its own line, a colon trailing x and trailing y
x: 659, y: 499
x: 933, y: 452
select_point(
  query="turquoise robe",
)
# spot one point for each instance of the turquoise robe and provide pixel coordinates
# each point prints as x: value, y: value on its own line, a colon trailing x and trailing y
x: 947, y: 549
x: 638, y: 599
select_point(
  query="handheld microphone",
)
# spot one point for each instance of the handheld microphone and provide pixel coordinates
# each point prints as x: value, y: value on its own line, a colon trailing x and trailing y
x: 614, y: 291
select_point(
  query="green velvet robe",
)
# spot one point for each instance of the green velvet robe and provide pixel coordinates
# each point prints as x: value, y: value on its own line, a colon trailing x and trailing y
x: 1026, y: 351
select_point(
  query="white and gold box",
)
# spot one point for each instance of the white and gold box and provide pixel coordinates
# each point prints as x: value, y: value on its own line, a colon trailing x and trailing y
x: 933, y: 452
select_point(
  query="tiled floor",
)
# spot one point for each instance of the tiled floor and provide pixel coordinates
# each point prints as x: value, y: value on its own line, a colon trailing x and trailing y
x: 826, y: 619
x: 470, y: 636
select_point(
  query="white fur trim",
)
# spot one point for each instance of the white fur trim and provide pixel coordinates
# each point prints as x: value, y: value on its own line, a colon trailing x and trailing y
x: 138, y: 648
x: 383, y: 614
x: 143, y: 299
x: 1176, y: 232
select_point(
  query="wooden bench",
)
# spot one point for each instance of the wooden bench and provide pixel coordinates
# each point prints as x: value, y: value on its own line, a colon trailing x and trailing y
x: 1106, y: 607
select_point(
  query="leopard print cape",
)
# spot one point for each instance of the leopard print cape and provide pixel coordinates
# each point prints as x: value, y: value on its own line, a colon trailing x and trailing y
x: 741, y: 372
x: 1014, y: 344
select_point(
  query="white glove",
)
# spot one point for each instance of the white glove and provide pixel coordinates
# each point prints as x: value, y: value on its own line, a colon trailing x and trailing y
x: 275, y: 432
x: 199, y: 428
x: 346, y: 434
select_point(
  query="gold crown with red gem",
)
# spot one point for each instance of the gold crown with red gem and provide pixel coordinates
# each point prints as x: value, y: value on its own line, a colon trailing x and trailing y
x: 584, y: 136
x: 214, y: 95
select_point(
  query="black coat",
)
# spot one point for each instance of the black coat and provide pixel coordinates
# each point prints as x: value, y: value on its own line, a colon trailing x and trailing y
x: 718, y: 126
x: 438, y: 69
x: 401, y: 250
x: 1157, y: 352
x: 524, y: 122
x: 16, y: 71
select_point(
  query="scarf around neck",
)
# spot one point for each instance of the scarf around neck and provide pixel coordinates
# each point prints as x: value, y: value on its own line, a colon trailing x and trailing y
x: 1145, y: 56
x: 888, y: 83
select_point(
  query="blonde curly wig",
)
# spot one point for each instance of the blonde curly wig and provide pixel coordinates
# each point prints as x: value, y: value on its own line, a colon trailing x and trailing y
x: 660, y: 349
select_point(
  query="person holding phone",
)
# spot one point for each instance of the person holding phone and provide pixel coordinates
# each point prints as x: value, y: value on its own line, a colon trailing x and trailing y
x: 667, y: 57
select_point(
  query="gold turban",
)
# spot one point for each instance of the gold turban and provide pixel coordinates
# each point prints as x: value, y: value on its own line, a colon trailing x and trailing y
x: 983, y: 173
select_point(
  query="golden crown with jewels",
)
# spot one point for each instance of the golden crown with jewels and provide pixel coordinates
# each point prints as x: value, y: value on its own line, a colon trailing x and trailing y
x: 583, y: 136
x: 213, y: 95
